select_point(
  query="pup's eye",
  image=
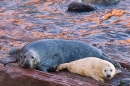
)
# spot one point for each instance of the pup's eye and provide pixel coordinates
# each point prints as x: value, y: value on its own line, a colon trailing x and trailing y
x: 105, y: 70
x: 111, y: 70
x: 32, y: 57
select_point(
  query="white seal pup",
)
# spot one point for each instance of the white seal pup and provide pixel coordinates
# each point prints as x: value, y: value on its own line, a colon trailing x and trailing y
x: 93, y: 67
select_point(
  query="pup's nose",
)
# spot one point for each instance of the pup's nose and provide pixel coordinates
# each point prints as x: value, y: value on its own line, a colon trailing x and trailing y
x: 108, y: 75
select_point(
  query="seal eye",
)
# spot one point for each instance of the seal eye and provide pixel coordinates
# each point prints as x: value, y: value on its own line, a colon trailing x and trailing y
x: 32, y: 57
x: 24, y: 56
x: 105, y: 70
x: 111, y: 70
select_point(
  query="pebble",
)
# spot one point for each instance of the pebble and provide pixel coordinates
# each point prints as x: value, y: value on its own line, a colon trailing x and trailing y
x: 125, y: 82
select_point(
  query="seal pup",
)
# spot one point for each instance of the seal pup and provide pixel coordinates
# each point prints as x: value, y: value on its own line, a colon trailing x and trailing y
x: 47, y: 54
x: 92, y: 67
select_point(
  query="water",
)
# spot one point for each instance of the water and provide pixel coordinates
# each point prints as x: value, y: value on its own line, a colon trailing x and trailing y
x: 22, y: 21
x: 25, y: 20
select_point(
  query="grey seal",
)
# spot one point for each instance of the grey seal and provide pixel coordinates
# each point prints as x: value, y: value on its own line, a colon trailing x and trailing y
x: 47, y: 54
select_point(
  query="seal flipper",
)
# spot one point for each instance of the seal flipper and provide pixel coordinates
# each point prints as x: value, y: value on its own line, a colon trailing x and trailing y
x: 115, y: 63
x: 13, y: 51
x: 11, y: 61
x: 7, y: 60
x: 52, y: 69
x: 42, y: 68
x: 12, y: 58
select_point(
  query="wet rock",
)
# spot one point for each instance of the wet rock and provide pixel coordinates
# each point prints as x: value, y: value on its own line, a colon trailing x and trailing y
x: 95, y: 45
x: 13, y: 75
x: 125, y: 82
x: 125, y: 64
x: 0, y: 47
x: 80, y: 7
x: 16, y: 76
x: 3, y: 37
x: 104, y: 2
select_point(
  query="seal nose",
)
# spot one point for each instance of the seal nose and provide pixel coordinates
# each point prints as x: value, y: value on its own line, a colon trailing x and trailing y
x: 108, y: 76
x: 27, y: 64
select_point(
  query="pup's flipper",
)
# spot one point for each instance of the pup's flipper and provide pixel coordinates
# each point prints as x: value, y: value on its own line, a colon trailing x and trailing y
x: 62, y: 66
x: 117, y: 71
x: 96, y: 77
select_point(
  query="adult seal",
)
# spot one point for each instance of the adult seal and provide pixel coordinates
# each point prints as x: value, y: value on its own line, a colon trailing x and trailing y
x: 47, y: 54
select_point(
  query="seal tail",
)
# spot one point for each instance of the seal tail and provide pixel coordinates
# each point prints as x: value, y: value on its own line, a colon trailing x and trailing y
x: 115, y: 63
x: 62, y: 66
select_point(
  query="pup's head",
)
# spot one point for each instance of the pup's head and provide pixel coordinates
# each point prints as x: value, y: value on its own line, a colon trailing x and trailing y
x: 109, y: 71
x: 28, y: 60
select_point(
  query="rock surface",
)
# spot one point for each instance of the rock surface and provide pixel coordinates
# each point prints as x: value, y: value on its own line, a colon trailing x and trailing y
x: 13, y: 75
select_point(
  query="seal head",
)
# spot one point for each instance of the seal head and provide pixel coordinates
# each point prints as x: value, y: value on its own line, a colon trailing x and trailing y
x: 28, y: 60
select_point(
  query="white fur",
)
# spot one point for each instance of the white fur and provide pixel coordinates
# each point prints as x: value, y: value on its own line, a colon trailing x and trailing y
x: 91, y: 67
